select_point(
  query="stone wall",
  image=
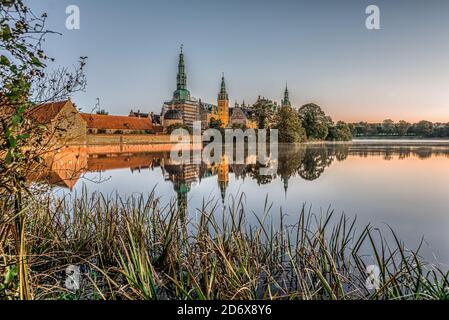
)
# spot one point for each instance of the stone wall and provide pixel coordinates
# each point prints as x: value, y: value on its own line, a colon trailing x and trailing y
x: 111, y: 139
x: 129, y: 148
x: 116, y: 143
x: 68, y: 128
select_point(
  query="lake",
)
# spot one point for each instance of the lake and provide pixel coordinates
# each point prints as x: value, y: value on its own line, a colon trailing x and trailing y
x: 402, y: 184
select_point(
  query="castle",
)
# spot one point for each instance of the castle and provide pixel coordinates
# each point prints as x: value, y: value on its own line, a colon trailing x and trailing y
x: 183, y: 109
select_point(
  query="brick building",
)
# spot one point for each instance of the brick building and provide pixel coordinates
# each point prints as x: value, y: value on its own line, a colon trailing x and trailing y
x: 106, y: 124
x: 240, y: 116
x: 64, y: 123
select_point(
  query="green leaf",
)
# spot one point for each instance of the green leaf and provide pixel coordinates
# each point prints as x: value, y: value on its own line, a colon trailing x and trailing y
x: 6, y: 33
x: 16, y: 119
x: 4, y: 61
x: 12, y: 142
x: 10, y: 275
x: 21, y: 109
x: 35, y: 61
x: 23, y: 136
x: 9, y: 157
x: 22, y: 48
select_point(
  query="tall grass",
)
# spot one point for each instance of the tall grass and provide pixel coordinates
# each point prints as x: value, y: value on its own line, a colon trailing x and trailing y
x: 136, y: 249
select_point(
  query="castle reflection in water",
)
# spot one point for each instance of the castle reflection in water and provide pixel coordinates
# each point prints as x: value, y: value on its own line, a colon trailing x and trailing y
x: 67, y: 166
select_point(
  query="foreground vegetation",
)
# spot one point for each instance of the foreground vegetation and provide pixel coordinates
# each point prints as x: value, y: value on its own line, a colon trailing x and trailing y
x: 135, y: 249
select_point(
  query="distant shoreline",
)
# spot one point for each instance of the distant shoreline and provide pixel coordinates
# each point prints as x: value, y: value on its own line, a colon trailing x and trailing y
x: 400, y: 138
x: 386, y: 141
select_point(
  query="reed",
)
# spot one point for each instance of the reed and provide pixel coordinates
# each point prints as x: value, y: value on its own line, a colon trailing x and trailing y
x: 135, y: 248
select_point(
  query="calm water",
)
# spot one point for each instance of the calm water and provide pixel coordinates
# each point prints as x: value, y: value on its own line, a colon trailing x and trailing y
x: 403, y: 184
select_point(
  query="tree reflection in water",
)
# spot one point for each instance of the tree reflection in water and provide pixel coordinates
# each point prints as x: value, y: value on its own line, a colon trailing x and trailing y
x: 308, y: 161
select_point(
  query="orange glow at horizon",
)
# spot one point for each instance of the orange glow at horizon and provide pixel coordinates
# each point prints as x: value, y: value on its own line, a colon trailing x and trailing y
x: 377, y: 115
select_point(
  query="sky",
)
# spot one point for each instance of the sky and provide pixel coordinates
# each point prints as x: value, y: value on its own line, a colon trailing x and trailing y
x: 322, y: 49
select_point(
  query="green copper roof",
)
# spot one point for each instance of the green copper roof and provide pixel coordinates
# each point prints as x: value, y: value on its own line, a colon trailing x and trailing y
x: 181, y: 92
x: 286, y: 100
x: 223, y: 95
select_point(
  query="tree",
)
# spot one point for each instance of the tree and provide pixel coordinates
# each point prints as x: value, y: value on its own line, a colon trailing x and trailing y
x: 388, y: 127
x: 263, y: 113
x: 402, y: 127
x: 239, y: 126
x: 289, y: 126
x: 315, y: 121
x: 102, y: 112
x: 353, y: 128
x: 24, y: 83
x: 441, y: 130
x: 423, y: 128
x: 340, y: 132
x: 215, y: 124
x: 361, y: 129
x: 445, y: 130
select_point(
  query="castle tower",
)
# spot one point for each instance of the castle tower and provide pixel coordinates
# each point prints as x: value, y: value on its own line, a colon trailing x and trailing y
x: 223, y: 104
x: 182, y: 100
x: 286, y: 101
x: 181, y: 92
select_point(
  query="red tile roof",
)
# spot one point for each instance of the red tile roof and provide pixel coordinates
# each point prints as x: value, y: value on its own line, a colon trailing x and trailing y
x: 100, y: 121
x: 46, y: 112
x: 158, y: 129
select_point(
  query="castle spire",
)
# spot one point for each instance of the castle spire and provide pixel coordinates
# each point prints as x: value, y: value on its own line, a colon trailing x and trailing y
x: 181, y: 92
x: 182, y: 78
x: 223, y: 95
x: 223, y: 104
x: 286, y: 100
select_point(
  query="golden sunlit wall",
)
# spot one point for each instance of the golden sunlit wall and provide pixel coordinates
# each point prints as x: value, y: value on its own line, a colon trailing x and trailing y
x: 223, y: 112
x: 223, y: 104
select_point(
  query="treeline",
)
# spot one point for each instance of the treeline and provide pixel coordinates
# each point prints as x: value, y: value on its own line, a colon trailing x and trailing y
x: 309, y: 123
x: 389, y: 128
